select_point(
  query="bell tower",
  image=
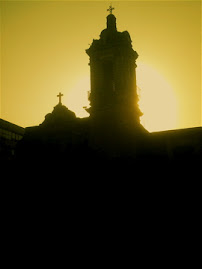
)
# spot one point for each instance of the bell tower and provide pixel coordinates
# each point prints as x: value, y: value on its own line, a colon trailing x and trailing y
x: 113, y: 92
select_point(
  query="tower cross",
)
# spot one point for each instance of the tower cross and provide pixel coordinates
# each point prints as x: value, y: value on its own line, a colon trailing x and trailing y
x: 110, y: 9
x: 60, y: 95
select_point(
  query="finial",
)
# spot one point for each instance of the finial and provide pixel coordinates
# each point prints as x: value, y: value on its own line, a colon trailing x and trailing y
x: 60, y: 95
x: 110, y: 9
x: 111, y: 20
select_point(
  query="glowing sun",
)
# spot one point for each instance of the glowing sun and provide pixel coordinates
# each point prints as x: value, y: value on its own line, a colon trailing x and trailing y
x: 157, y: 99
x: 77, y: 98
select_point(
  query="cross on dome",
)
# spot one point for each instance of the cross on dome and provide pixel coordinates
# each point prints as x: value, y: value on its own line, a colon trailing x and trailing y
x: 110, y: 9
x: 60, y: 95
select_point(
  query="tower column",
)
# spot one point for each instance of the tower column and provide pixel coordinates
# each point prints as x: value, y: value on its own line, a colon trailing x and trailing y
x: 113, y: 98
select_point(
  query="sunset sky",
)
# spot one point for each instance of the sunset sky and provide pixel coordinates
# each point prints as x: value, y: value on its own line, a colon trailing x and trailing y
x: 43, y: 47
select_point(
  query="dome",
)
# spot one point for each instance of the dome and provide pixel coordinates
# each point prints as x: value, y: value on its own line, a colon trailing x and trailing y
x: 60, y: 115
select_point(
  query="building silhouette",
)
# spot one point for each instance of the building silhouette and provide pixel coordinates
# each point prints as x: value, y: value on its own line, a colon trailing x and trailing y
x: 112, y: 132
x: 10, y: 134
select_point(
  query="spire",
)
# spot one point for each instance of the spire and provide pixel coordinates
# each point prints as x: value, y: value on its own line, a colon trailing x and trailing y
x: 111, y: 19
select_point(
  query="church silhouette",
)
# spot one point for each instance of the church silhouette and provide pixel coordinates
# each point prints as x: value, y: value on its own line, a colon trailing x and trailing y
x: 112, y: 132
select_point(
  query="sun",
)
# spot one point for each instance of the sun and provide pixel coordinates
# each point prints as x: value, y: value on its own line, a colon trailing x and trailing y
x: 157, y: 99
x: 77, y: 97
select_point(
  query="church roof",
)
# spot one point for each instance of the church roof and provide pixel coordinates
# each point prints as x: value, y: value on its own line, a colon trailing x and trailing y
x: 110, y: 36
x: 60, y: 114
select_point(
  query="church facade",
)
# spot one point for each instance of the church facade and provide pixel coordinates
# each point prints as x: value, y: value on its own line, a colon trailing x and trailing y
x: 112, y: 132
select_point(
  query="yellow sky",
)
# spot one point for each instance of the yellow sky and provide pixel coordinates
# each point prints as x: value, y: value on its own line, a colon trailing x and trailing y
x: 43, y: 53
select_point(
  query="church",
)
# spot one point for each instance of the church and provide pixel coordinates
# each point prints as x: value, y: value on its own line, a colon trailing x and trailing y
x: 112, y: 132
